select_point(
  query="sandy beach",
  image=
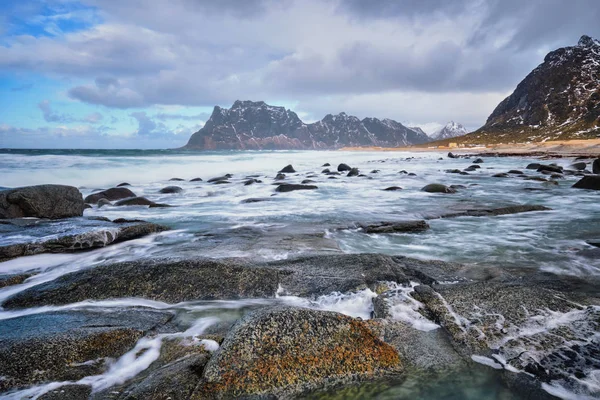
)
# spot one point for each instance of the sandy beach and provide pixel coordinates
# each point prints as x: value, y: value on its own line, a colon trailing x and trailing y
x: 589, y: 147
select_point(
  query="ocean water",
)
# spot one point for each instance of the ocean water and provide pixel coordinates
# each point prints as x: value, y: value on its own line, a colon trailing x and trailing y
x: 205, y: 214
x: 212, y: 221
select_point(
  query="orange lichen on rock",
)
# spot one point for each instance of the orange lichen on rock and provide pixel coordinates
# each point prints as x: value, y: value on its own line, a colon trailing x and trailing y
x: 289, y: 349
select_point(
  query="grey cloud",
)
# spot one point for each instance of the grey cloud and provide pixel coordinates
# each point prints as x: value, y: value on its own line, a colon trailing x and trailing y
x: 166, y: 116
x: 94, y: 118
x: 52, y: 116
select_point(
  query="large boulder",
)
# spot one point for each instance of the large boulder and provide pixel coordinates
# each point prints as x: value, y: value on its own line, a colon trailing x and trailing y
x: 168, y: 281
x: 42, y: 201
x: 588, y: 182
x: 579, y: 166
x: 111, y: 194
x: 596, y: 166
x: 285, y: 350
x: 353, y: 172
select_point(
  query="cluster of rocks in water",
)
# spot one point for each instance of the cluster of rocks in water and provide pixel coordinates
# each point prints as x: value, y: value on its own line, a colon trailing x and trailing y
x: 484, y: 314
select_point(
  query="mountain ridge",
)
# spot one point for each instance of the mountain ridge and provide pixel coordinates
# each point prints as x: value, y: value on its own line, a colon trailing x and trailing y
x: 256, y: 125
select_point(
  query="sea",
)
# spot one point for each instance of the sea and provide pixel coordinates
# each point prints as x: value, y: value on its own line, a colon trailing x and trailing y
x: 209, y: 220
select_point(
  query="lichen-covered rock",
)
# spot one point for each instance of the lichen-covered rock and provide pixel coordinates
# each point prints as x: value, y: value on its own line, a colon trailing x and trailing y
x: 284, y: 350
x: 42, y: 201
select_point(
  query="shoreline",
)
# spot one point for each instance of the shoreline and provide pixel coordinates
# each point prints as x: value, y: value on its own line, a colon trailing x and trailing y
x: 564, y: 148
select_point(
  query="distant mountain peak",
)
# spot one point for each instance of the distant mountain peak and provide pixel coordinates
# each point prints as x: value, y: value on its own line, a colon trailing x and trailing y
x: 589, y: 42
x: 450, y: 130
x: 258, y: 125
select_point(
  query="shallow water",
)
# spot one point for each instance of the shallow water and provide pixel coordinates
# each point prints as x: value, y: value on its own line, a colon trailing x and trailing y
x: 210, y: 221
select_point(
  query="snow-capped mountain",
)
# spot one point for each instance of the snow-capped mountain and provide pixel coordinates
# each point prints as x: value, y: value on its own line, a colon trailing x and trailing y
x: 451, y: 130
x: 560, y: 99
x: 418, y: 130
x: 257, y: 125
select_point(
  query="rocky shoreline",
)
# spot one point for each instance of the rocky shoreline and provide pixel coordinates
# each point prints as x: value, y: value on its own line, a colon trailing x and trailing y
x: 193, y: 327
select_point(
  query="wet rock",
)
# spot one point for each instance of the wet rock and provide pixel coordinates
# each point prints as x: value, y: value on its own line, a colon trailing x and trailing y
x: 177, y: 179
x: 596, y: 166
x: 343, y: 167
x: 42, y: 201
x: 103, y: 202
x: 111, y: 194
x: 326, y: 165
x: 325, y: 171
x: 123, y: 184
x: 470, y: 168
x: 332, y: 177
x: 500, y: 175
x: 549, y: 168
x: 595, y: 243
x: 591, y: 182
x: 450, y: 155
x: 515, y: 171
x: 478, y: 161
x: 134, y: 201
x: 13, y: 279
x: 171, y: 189
x: 221, y: 182
x: 196, y: 180
x: 396, y: 227
x: 68, y: 392
x: 280, y: 177
x: 453, y: 171
x: 437, y: 188
x: 458, y: 187
x: 220, y: 178
x: 251, y: 181
x: 392, y: 188
x: 84, y: 241
x: 168, y: 281
x: 68, y: 345
x: 375, y: 171
x: 412, y: 174
x: 285, y: 350
x: 288, y: 187
x: 535, y: 178
x: 533, y: 166
x: 579, y: 166
x: 353, y: 172
x: 288, y: 169
x: 494, y: 212
x: 255, y: 200
x: 307, y: 181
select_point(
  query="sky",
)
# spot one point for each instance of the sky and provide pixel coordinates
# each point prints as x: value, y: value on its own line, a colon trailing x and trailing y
x: 147, y: 74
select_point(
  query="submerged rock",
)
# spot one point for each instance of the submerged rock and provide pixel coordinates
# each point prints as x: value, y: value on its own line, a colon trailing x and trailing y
x: 588, y: 182
x: 478, y: 161
x: 493, y: 212
x: 438, y: 188
x: 123, y: 184
x: 392, y: 188
x: 396, y: 227
x: 133, y: 201
x: 285, y: 350
x: 289, y: 187
x: 42, y: 201
x: 171, y: 189
x: 353, y: 172
x: 111, y: 194
x: 177, y: 179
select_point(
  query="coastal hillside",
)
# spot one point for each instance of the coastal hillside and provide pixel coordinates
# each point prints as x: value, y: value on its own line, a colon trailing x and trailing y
x: 558, y: 100
x: 250, y: 125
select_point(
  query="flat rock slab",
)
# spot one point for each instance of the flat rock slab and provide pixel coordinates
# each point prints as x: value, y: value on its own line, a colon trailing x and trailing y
x: 396, y: 227
x: 68, y: 345
x: 52, y: 237
x: 42, y: 201
x: 168, y: 281
x: 283, y: 350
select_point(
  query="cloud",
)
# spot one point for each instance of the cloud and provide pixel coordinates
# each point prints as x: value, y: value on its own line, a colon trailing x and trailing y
x: 52, y: 116
x: 147, y: 127
x: 167, y: 116
x: 319, y: 55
